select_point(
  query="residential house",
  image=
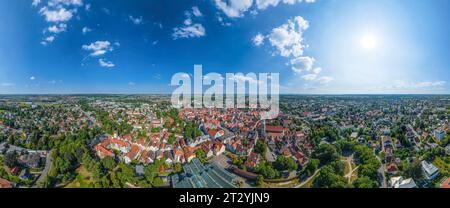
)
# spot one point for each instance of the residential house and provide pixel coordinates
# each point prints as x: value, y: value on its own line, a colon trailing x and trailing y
x: 301, y: 159
x: 133, y: 154
x: 252, y: 160
x: 189, y: 156
x: 399, y: 182
x: 445, y: 183
x: 439, y: 133
x: 392, y: 168
x: 5, y: 183
x: 102, y: 152
x: 218, y: 148
x: 168, y: 156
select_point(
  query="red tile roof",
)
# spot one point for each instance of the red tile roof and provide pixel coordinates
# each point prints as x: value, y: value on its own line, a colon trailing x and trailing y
x: 446, y: 183
x: 252, y: 160
x: 103, y: 150
x: 212, y: 132
x: 119, y: 142
x: 5, y: 183
x: 274, y: 128
x: 134, y: 151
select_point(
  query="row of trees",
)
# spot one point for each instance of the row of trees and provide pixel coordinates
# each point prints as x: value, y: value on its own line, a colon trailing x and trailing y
x: 368, y: 165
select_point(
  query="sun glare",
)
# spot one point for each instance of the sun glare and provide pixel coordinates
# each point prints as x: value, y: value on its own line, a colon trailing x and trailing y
x: 369, y: 42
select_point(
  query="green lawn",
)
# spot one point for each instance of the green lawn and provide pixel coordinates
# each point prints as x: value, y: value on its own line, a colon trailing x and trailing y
x: 289, y: 184
x: 82, y: 180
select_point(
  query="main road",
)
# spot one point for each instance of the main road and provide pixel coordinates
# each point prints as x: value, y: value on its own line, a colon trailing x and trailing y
x: 48, y: 165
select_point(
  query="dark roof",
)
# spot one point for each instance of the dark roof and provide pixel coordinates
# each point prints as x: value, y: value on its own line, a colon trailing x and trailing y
x: 197, y: 175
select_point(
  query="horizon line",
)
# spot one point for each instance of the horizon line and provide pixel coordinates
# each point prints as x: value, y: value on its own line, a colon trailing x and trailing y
x: 324, y: 94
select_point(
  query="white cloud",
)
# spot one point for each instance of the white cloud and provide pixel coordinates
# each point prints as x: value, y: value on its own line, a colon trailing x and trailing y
x: 87, y: 7
x: 237, y: 8
x: 195, y: 30
x: 301, y: 64
x: 57, y: 11
x: 105, y: 63
x: 325, y: 79
x: 288, y: 38
x: 65, y: 2
x: 258, y: 39
x: 98, y: 48
x: 317, y: 70
x: 242, y: 78
x: 410, y: 85
x: 401, y: 86
x: 57, y: 28
x: 190, y: 29
x: 196, y: 12
x: 32, y: 78
x: 188, y: 21
x: 50, y: 39
x: 136, y: 20
x: 233, y: 8
x: 222, y: 21
x: 309, y: 77
x: 36, y: 2
x: 314, y: 75
x: 7, y: 84
x: 263, y: 4
x: 58, y: 15
x: 86, y: 30
x: 287, y: 41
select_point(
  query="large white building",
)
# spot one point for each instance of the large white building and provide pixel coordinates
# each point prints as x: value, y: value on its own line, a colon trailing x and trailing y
x: 430, y: 170
x: 439, y: 134
x: 399, y: 182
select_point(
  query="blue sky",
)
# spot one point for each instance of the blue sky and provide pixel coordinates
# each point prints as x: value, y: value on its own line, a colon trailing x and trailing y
x: 321, y: 46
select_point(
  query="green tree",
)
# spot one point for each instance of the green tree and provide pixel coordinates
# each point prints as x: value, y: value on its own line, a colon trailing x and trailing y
x: 414, y: 170
x: 108, y: 163
x: 283, y: 163
x: 261, y: 147
x: 178, y: 168
x: 171, y: 139
x: 327, y: 153
x: 11, y: 159
x: 201, y: 155
x: 266, y: 170
x: 312, y: 166
x: 329, y: 179
x: 368, y: 163
x: 259, y: 180
x: 364, y: 182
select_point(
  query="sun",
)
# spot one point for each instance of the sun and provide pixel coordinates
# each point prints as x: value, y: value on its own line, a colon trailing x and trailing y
x: 368, y: 41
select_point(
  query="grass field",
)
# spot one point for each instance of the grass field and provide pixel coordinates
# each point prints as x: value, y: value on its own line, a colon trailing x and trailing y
x: 82, y: 180
x: 288, y: 184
